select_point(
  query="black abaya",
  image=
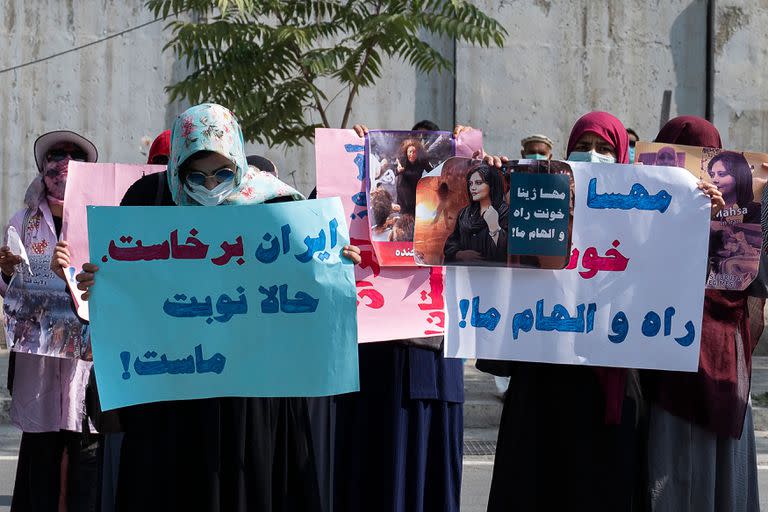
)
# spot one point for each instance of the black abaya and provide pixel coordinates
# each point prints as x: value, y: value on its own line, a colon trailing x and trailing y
x: 218, y: 454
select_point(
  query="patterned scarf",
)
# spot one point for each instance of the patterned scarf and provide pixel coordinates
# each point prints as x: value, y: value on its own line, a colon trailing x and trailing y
x: 211, y: 127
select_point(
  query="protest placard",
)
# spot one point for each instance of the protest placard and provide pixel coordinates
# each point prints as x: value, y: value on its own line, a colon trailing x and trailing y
x: 736, y: 238
x: 90, y: 184
x: 393, y: 303
x: 194, y: 302
x: 37, y: 311
x: 631, y: 296
x: 471, y: 214
x: 395, y: 162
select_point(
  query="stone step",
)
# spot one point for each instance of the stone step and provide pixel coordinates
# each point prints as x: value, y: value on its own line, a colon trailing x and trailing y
x: 482, y: 404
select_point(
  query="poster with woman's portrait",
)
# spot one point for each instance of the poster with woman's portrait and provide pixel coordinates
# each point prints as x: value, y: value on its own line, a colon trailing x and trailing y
x: 736, y: 240
x: 471, y: 214
x: 395, y: 162
x: 733, y: 255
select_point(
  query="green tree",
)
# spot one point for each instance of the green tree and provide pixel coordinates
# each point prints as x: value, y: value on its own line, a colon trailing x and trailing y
x: 264, y: 58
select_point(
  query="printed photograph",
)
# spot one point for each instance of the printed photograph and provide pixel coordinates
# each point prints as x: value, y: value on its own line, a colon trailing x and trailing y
x: 467, y: 215
x: 666, y: 156
x: 738, y: 223
x: 38, y: 321
x: 396, y: 161
x: 734, y: 255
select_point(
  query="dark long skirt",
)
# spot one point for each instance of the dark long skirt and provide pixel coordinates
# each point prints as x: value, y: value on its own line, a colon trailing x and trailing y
x: 38, y: 473
x: 554, y: 450
x: 219, y: 455
x: 322, y: 422
x: 396, y: 453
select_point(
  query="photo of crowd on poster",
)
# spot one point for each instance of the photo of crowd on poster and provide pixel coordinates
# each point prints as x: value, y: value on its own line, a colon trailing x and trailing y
x: 38, y: 321
x: 396, y: 161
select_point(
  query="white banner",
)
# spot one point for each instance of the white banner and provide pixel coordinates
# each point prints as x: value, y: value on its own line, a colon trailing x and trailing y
x: 632, y: 295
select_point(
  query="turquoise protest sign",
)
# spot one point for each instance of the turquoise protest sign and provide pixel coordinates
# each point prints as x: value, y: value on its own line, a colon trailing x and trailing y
x: 194, y: 302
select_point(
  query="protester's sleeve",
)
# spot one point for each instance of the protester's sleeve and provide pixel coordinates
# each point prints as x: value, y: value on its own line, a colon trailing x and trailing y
x: 498, y: 251
x: 453, y: 243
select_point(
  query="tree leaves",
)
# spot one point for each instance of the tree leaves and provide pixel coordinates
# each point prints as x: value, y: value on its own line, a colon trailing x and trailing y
x: 264, y: 58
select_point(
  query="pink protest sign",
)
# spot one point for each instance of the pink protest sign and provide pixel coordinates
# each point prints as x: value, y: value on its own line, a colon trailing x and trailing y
x: 393, y: 302
x: 92, y: 185
x: 469, y: 144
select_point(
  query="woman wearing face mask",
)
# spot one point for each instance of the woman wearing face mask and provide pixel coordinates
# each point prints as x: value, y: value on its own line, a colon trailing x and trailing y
x: 701, y: 441
x: 594, y: 461
x: 598, y: 137
x: 219, y: 454
x: 576, y: 453
x: 481, y: 229
x: 57, y: 458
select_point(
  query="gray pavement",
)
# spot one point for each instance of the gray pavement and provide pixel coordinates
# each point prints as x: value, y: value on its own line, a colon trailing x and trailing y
x: 476, y: 482
x: 482, y: 413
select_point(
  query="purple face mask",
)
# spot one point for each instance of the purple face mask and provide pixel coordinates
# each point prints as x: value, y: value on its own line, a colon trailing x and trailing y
x: 55, y: 178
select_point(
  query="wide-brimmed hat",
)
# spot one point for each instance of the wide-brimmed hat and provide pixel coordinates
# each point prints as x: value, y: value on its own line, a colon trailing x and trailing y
x: 262, y: 164
x: 45, y: 142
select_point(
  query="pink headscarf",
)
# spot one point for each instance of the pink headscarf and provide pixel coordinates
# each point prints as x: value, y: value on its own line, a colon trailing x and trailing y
x: 690, y: 131
x: 607, y: 127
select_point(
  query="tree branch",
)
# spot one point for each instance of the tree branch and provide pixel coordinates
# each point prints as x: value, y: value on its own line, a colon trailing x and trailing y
x: 305, y: 73
x: 318, y: 106
x: 355, y: 87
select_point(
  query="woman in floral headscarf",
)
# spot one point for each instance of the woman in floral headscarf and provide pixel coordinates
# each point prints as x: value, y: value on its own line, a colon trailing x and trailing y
x: 219, y: 454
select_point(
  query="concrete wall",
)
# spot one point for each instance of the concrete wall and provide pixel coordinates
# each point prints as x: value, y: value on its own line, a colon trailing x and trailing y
x: 111, y: 92
x: 741, y: 83
x: 566, y: 58
x: 563, y: 58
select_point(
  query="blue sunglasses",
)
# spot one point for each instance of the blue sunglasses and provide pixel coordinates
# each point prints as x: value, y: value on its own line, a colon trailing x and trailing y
x: 223, y: 175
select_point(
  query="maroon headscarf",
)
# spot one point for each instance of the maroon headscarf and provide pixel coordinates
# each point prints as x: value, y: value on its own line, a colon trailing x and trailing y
x: 690, y: 131
x: 606, y: 126
x: 610, y: 129
x: 713, y: 398
x: 161, y: 146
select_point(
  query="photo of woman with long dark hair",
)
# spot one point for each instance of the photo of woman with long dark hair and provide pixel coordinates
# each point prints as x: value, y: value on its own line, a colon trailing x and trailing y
x: 732, y: 175
x: 412, y: 163
x: 481, y: 228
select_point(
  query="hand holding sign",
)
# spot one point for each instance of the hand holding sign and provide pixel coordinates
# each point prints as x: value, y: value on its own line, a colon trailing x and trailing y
x: 60, y: 259
x: 8, y: 261
x: 86, y: 279
x: 711, y: 191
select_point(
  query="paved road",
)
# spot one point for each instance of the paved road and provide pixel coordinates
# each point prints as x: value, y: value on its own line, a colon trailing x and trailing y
x: 474, y: 490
